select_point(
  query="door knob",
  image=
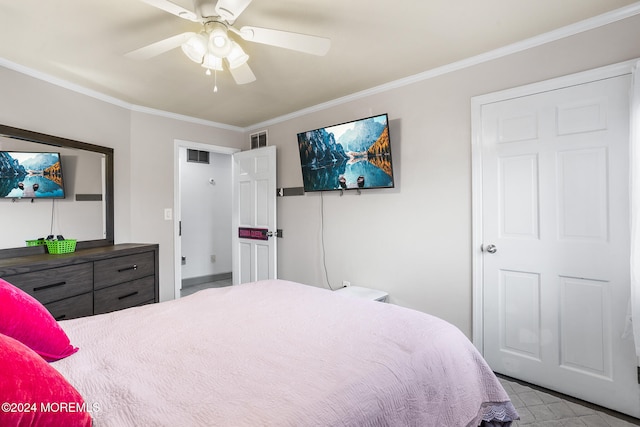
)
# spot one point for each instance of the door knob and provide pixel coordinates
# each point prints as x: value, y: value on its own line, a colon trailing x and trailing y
x: 492, y: 249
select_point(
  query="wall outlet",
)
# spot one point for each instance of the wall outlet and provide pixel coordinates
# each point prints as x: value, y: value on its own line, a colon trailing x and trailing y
x: 168, y: 214
x: 213, y: 258
x: 345, y: 283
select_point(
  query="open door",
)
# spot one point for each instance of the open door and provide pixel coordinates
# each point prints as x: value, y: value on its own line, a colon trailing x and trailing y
x: 254, y: 215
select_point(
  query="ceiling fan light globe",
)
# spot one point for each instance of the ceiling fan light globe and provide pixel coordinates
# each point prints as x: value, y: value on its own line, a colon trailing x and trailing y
x: 236, y: 56
x: 219, y: 40
x: 219, y: 43
x: 220, y: 52
x: 195, y: 47
x: 212, y: 62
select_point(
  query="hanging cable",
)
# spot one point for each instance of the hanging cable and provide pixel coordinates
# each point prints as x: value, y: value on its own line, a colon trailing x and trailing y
x: 53, y: 201
x: 324, y: 255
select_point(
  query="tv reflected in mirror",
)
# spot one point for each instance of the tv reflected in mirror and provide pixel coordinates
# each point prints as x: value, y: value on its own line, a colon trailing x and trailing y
x: 27, y: 175
x: 351, y: 155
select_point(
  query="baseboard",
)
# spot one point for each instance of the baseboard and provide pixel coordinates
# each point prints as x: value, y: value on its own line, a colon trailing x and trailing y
x: 194, y: 281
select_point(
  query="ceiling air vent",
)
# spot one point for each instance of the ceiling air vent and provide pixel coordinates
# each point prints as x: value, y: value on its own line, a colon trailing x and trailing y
x: 259, y: 139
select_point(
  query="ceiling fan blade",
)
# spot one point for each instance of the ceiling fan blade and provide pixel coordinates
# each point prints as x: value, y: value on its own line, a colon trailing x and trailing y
x: 173, y: 8
x: 160, y: 47
x: 313, y: 45
x: 229, y: 10
x: 243, y: 74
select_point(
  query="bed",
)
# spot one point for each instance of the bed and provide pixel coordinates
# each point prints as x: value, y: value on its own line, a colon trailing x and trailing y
x: 278, y: 353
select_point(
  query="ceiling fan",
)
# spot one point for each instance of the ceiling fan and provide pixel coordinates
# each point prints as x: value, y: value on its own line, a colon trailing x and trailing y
x: 213, y: 45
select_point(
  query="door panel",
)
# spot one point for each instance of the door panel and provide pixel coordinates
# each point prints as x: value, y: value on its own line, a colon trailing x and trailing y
x: 555, y: 204
x: 245, y: 194
x: 245, y: 267
x: 582, y: 116
x: 520, y: 313
x: 586, y: 340
x: 519, y: 196
x: 583, y: 194
x: 264, y: 270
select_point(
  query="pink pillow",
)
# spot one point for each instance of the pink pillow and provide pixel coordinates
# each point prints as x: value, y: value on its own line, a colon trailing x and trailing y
x: 34, y: 393
x: 22, y: 317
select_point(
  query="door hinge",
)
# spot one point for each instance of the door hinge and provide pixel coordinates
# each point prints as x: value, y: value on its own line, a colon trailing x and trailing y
x: 179, y: 228
x: 638, y: 374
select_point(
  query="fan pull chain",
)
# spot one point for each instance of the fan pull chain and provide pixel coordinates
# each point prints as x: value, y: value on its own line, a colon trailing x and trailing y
x: 215, y: 81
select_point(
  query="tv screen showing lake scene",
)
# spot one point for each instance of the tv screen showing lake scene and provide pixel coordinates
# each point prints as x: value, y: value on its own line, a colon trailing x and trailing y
x: 352, y: 155
x: 30, y: 175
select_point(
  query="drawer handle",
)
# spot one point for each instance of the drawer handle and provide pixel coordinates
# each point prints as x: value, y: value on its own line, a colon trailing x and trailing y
x: 53, y: 285
x: 61, y: 317
x: 133, y: 267
x: 128, y: 295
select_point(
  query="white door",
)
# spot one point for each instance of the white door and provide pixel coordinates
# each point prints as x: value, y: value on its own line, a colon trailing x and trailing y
x: 254, y: 215
x: 556, y: 241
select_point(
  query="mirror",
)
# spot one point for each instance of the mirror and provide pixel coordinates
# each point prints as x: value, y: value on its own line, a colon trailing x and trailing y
x: 86, y: 211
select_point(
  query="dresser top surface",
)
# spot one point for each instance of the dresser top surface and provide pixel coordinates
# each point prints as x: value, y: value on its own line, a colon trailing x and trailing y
x: 16, y: 265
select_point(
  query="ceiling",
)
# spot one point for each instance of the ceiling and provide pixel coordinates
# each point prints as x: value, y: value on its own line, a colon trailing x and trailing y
x: 83, y: 42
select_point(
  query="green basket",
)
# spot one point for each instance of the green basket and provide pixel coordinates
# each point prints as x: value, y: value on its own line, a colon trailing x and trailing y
x: 38, y: 242
x: 61, y: 246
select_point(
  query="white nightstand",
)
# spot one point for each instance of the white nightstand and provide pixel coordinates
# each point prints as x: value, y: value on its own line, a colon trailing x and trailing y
x: 359, y: 292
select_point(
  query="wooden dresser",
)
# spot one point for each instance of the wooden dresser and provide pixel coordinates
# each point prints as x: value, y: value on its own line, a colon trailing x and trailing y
x: 88, y: 281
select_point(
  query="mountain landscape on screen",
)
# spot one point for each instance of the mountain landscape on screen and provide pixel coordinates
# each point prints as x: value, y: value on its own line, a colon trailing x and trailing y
x: 30, y: 175
x: 352, y: 155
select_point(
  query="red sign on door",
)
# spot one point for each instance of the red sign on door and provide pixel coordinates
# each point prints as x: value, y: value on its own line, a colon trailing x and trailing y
x: 253, y: 233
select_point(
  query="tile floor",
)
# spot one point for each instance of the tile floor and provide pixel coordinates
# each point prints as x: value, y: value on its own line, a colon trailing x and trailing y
x: 537, y: 407
x: 543, y: 408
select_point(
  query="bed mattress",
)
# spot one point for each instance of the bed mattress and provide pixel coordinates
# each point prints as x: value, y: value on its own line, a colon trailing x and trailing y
x: 278, y: 353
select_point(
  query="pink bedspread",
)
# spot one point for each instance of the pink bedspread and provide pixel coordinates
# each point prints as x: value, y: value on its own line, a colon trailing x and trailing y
x: 277, y: 353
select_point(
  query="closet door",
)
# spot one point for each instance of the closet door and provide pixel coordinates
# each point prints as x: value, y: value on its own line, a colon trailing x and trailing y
x: 556, y: 241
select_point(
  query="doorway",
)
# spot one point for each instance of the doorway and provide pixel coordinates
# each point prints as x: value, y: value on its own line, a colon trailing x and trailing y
x: 551, y: 236
x: 202, y: 214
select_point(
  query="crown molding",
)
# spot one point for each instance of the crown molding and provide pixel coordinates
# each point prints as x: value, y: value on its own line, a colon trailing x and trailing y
x: 561, y: 33
x: 189, y: 119
x: 62, y: 83
x: 110, y: 99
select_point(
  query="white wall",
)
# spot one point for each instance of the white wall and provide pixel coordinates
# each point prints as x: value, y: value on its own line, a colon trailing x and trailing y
x: 415, y: 241
x: 205, y: 215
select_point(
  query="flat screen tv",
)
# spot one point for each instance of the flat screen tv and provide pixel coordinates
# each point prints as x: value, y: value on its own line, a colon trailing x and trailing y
x: 352, y: 155
x: 30, y: 175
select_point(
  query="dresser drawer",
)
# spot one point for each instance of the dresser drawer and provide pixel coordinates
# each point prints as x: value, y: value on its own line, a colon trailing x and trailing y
x: 124, y: 295
x: 55, y: 283
x: 70, y: 308
x: 123, y: 269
